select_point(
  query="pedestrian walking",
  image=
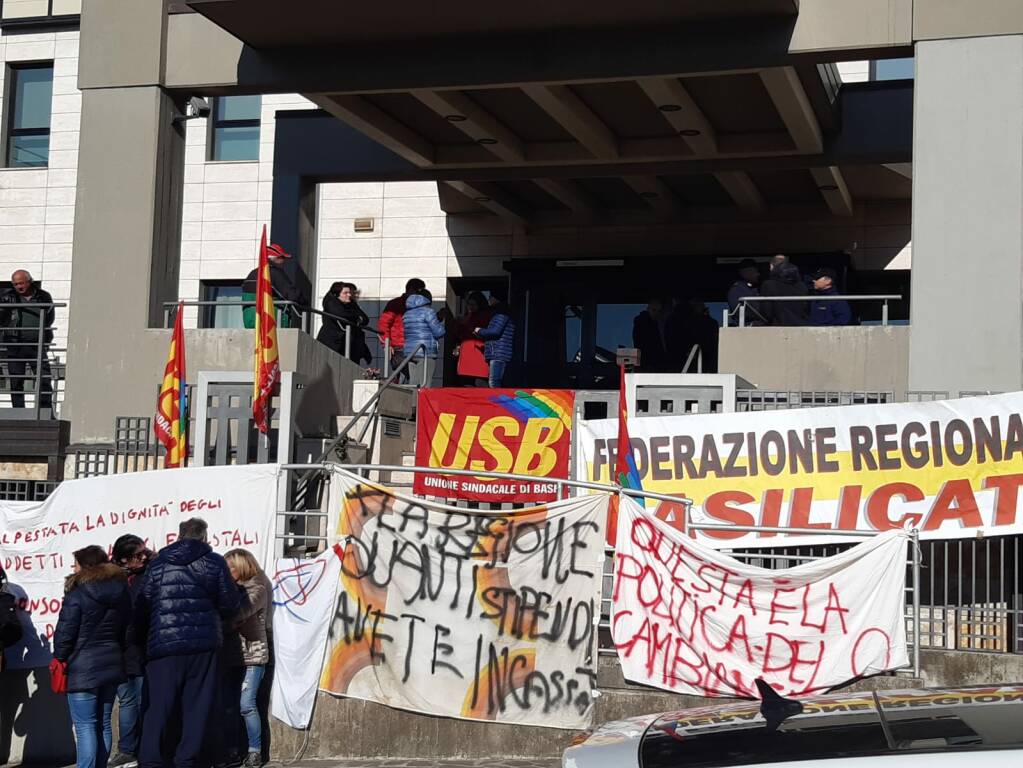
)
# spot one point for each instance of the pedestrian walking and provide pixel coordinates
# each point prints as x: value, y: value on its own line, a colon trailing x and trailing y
x: 422, y: 328
x: 499, y: 338
x: 186, y: 594
x: 247, y: 651
x: 131, y: 556
x: 90, y: 639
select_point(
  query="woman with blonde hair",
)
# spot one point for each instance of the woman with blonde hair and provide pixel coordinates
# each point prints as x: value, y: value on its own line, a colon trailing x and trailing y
x: 247, y: 648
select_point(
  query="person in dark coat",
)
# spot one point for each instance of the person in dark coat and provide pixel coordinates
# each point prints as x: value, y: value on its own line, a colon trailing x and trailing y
x: 341, y: 302
x: 836, y: 312
x: 131, y: 556
x: 186, y: 594
x: 282, y: 284
x: 648, y: 336
x: 20, y: 329
x: 785, y: 280
x: 90, y: 638
x: 744, y: 287
x: 499, y: 339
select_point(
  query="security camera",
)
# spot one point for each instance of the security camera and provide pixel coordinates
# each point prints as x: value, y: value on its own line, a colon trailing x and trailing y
x: 197, y: 107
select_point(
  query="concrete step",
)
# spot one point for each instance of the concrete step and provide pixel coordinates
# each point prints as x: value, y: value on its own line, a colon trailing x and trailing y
x: 396, y: 401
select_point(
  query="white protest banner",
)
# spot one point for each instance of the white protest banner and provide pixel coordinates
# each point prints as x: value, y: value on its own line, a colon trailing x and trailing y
x: 467, y: 613
x: 37, y: 538
x: 952, y: 468
x: 690, y: 619
x: 305, y: 593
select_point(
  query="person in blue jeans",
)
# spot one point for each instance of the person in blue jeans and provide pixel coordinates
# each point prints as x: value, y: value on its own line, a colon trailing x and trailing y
x: 130, y: 554
x: 90, y: 638
x: 186, y: 595
x: 499, y: 338
x: 247, y: 650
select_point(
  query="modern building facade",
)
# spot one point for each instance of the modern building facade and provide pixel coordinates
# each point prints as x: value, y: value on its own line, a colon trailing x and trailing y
x: 587, y: 162
x: 585, y: 157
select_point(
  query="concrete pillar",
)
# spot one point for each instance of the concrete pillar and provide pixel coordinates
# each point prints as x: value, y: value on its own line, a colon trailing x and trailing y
x: 967, y: 310
x: 128, y: 207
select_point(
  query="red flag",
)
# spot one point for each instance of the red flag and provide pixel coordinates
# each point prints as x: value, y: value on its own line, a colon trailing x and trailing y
x: 267, y: 369
x: 626, y: 471
x: 171, y: 408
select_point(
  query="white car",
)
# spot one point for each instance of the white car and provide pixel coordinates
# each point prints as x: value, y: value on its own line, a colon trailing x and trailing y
x: 926, y: 728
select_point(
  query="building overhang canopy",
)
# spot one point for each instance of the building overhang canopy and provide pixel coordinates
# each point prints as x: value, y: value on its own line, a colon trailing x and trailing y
x: 268, y: 24
x: 520, y: 110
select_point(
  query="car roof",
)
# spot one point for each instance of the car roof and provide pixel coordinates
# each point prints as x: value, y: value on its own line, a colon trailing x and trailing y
x: 839, y: 725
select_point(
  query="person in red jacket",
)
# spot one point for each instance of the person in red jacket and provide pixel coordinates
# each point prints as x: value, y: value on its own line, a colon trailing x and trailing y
x: 393, y: 327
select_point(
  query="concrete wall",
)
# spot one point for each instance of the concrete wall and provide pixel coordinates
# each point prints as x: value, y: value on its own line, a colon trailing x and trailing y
x: 130, y: 384
x: 967, y: 311
x: 848, y: 358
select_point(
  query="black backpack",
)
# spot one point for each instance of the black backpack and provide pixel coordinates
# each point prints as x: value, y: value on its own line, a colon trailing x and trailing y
x: 10, y: 623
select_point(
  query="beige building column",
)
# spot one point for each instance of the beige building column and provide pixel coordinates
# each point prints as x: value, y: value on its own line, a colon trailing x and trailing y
x: 128, y: 206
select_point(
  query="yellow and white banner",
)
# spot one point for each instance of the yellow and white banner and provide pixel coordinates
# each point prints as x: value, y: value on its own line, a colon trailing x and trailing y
x: 951, y: 468
x: 464, y: 613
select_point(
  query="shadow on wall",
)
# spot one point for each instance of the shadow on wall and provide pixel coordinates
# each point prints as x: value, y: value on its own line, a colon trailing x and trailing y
x: 35, y: 727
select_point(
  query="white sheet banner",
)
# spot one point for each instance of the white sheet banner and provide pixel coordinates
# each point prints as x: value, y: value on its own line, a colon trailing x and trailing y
x: 951, y: 468
x: 467, y: 613
x: 37, y: 538
x: 690, y: 619
x: 304, y: 597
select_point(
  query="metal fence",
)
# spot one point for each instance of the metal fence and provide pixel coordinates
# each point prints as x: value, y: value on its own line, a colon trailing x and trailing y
x: 26, y: 490
x: 31, y: 366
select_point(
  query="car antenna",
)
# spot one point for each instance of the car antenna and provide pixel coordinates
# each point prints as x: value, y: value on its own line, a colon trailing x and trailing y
x: 774, y: 708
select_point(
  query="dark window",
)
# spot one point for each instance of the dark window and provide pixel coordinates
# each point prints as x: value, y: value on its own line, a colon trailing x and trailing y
x: 226, y: 316
x: 891, y: 69
x: 29, y: 99
x: 235, y: 128
x: 36, y: 12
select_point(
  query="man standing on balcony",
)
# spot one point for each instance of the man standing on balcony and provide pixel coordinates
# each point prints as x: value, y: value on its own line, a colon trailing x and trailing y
x: 25, y: 332
x: 283, y: 286
x: 834, y: 312
x: 745, y: 286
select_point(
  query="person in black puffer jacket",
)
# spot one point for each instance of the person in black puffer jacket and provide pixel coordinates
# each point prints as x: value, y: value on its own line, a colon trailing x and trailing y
x: 186, y: 594
x: 132, y: 557
x: 90, y: 639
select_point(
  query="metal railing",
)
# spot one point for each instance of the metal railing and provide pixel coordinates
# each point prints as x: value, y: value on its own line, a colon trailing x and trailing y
x: 746, y: 301
x: 304, y: 313
x: 30, y: 364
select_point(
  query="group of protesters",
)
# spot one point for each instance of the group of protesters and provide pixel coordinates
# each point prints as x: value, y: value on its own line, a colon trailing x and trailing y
x: 181, y: 639
x: 785, y: 298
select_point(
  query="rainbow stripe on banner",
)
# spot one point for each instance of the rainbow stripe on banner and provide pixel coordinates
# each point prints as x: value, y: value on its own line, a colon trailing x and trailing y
x: 540, y: 404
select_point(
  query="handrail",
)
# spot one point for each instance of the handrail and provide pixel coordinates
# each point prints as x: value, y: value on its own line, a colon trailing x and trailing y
x: 386, y: 384
x: 42, y: 367
x: 303, y: 310
x: 744, y: 301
